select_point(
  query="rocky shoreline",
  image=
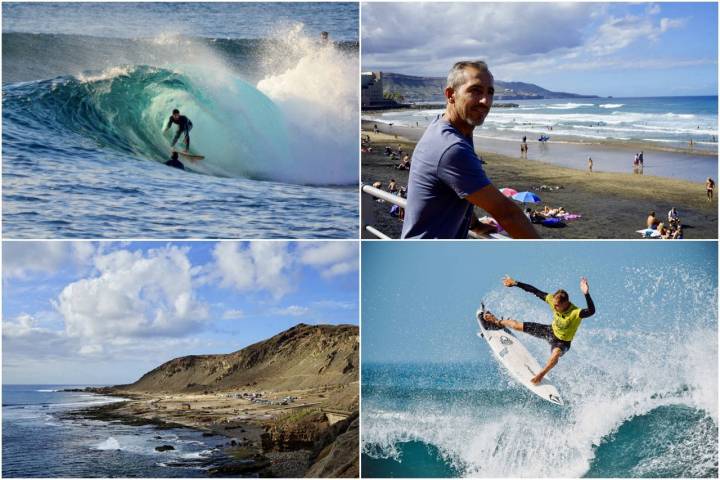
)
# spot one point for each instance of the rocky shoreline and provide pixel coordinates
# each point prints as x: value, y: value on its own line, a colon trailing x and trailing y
x: 270, y: 442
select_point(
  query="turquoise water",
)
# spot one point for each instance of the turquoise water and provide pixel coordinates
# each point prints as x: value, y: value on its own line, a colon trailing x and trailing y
x: 487, y: 426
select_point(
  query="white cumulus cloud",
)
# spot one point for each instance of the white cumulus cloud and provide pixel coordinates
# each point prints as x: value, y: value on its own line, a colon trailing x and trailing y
x: 256, y: 266
x: 331, y: 258
x: 134, y: 295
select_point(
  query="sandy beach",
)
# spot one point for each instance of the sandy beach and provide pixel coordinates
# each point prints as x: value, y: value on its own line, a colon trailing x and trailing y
x: 611, y: 204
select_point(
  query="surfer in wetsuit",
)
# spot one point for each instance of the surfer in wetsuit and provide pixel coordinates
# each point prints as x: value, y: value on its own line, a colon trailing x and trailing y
x: 184, y: 126
x: 175, y: 162
x: 566, y: 320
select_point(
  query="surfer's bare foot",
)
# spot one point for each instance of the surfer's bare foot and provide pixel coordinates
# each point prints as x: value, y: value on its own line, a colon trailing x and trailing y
x: 536, y: 379
x: 489, y: 317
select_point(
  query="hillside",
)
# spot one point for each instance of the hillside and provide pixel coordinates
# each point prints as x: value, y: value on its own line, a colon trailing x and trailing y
x: 305, y: 356
x: 430, y: 89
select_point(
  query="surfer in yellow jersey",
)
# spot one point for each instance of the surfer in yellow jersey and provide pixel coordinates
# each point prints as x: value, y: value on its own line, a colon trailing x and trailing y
x: 566, y: 320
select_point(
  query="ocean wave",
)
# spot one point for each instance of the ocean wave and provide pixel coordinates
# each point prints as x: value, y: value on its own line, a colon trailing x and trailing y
x: 109, y: 444
x: 611, y: 105
x: 569, y: 106
x: 297, y: 124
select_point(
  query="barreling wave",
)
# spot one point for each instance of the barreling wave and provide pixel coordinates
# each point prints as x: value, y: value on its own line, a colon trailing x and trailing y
x: 294, y: 129
x: 241, y: 131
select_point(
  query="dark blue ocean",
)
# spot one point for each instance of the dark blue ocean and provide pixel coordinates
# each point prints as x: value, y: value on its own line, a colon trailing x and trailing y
x: 38, y: 442
x: 88, y: 88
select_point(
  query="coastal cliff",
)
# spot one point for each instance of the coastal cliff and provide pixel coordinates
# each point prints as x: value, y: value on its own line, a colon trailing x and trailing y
x: 305, y: 356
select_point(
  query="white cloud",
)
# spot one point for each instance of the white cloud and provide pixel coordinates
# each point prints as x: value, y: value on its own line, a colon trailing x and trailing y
x: 135, y: 295
x: 415, y: 39
x: 335, y: 304
x: 419, y: 33
x: 618, y: 33
x: 259, y: 265
x: 89, y: 350
x: 233, y: 314
x: 22, y: 259
x: 292, y: 311
x: 653, y: 9
x: 331, y: 258
x: 25, y: 259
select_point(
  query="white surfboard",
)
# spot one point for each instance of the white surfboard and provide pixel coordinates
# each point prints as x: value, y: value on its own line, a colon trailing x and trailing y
x: 513, y: 355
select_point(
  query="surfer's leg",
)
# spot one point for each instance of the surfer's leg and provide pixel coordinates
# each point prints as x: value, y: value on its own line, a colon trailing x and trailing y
x: 187, y: 140
x: 538, y: 330
x: 175, y: 138
x: 552, y: 361
x: 510, y: 323
x: 506, y: 322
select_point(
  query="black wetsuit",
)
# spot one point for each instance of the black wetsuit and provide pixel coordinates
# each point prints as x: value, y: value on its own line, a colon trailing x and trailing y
x: 175, y: 163
x: 545, y: 332
x: 184, y: 126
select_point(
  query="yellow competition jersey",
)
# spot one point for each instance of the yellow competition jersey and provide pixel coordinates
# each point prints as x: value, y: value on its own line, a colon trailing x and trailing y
x: 564, y: 324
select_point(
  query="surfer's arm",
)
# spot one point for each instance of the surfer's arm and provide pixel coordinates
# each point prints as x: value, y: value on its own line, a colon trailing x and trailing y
x: 590, y: 310
x: 530, y: 289
x: 169, y: 124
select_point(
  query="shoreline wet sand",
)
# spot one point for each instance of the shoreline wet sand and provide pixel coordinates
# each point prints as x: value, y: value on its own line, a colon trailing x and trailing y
x: 612, y: 205
x: 608, y: 155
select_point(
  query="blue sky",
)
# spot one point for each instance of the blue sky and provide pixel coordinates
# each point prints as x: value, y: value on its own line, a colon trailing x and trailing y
x: 419, y: 298
x: 618, y: 49
x: 107, y: 312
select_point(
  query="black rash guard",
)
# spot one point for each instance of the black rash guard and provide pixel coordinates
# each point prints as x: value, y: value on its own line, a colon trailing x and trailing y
x: 584, y: 313
x: 182, y: 122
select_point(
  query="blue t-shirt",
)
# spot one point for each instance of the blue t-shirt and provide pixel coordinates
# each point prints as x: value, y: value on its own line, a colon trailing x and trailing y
x: 444, y: 170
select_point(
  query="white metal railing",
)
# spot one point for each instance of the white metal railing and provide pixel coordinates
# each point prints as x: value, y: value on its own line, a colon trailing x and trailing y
x: 368, y: 218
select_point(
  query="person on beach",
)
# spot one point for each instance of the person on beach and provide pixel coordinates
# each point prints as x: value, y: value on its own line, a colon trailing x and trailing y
x: 446, y: 176
x: 673, y: 217
x: 709, y: 188
x: 392, y: 186
x: 175, y: 162
x: 652, y: 221
x: 566, y: 320
x: 590, y: 164
x: 184, y: 126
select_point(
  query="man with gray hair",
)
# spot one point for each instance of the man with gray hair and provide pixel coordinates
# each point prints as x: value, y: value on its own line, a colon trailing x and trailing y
x: 446, y: 175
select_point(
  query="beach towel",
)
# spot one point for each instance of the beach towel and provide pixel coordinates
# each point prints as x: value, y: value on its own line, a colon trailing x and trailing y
x: 649, y: 233
x: 553, y: 223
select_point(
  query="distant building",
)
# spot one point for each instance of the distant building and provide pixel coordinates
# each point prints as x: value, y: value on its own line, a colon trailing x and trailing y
x: 371, y: 92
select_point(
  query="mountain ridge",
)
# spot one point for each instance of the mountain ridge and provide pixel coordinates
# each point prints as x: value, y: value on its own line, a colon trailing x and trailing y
x: 427, y: 89
x: 304, y: 356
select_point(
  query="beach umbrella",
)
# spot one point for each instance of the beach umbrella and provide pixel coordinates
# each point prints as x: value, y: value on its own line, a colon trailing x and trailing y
x: 508, y: 192
x: 526, y: 197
